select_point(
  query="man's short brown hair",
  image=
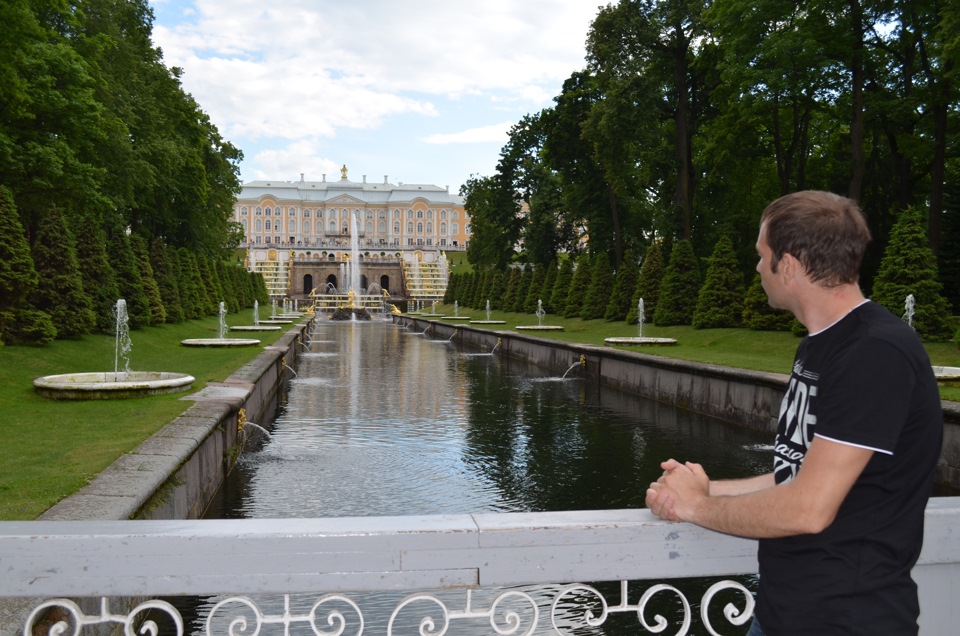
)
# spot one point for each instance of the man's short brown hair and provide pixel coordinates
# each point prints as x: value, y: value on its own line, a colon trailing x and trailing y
x: 826, y: 232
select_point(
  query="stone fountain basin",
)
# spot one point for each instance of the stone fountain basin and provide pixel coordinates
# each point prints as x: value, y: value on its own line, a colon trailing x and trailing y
x: 220, y: 342
x: 947, y: 374
x: 110, y: 385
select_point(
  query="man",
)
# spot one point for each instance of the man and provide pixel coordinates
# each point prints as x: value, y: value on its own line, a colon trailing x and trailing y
x: 840, y: 517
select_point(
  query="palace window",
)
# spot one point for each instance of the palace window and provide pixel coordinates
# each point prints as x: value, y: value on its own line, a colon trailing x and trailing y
x: 243, y: 224
x: 410, y: 227
x: 443, y: 228
x: 306, y: 214
x: 259, y: 225
x: 333, y: 226
x: 455, y: 228
x: 429, y: 214
x: 268, y: 239
x: 419, y: 214
x: 429, y: 241
x: 292, y: 225
x: 429, y: 228
x: 267, y: 212
x: 259, y: 212
x: 443, y: 215
x: 396, y: 228
x: 369, y: 227
x: 267, y: 226
x: 456, y: 214
x: 420, y: 228
x: 306, y: 226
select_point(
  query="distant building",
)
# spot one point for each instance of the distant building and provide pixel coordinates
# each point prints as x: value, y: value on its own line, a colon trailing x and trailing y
x: 287, y: 224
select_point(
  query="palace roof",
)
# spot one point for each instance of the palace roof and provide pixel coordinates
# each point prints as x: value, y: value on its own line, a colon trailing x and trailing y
x: 343, y: 190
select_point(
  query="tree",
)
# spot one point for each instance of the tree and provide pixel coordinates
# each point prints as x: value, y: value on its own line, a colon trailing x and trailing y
x: 909, y: 267
x: 621, y: 299
x: 561, y: 287
x: 579, y: 285
x: 18, y: 278
x: 648, y: 283
x: 720, y: 302
x: 163, y: 259
x: 99, y: 279
x: 59, y: 292
x: 127, y: 269
x: 679, y: 288
x: 546, y: 290
x: 158, y: 313
x: 535, y: 289
x: 759, y: 315
x: 601, y: 283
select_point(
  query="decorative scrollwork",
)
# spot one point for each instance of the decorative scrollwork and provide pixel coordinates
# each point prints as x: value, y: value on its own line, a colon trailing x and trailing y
x: 238, y: 624
x: 730, y: 611
x: 427, y: 624
x: 77, y: 619
x: 512, y: 619
x: 661, y: 622
x: 335, y: 618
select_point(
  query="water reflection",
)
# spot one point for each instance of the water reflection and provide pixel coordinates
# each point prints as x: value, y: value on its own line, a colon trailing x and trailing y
x: 381, y: 424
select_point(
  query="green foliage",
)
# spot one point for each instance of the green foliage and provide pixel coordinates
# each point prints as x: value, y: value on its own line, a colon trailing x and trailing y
x: 561, y: 287
x: 546, y: 289
x: 510, y: 297
x: 59, y: 292
x: 18, y: 277
x: 24, y: 326
x: 720, y: 302
x: 164, y: 262
x: 158, y: 313
x: 679, y: 288
x: 526, y: 278
x: 598, y: 294
x: 909, y: 267
x: 621, y: 299
x: 99, y: 279
x: 129, y: 283
x: 535, y: 289
x: 579, y: 286
x: 759, y: 315
x: 648, y: 284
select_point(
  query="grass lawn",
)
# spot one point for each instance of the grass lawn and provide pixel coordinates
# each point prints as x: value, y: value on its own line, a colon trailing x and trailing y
x: 51, y: 448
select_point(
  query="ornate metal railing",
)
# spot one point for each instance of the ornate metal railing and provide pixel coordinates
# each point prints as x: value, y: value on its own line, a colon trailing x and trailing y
x: 497, y: 573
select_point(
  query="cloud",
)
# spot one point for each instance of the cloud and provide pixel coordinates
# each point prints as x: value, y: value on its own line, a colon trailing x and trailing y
x: 484, y: 134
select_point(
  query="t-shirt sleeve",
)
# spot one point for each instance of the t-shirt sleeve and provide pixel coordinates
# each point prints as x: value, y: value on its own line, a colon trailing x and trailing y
x: 865, y: 396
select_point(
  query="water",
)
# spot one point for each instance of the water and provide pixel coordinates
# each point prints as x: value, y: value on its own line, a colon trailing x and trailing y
x: 223, y: 320
x: 123, y: 344
x: 379, y: 424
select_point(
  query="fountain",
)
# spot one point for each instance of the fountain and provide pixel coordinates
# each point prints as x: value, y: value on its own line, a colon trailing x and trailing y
x: 221, y: 340
x: 640, y: 339
x: 433, y: 311
x: 456, y: 313
x: 353, y: 309
x: 119, y: 384
x: 540, y: 313
x: 487, y: 321
x: 256, y: 326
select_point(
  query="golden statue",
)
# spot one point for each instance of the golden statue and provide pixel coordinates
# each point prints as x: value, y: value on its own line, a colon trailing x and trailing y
x: 343, y: 172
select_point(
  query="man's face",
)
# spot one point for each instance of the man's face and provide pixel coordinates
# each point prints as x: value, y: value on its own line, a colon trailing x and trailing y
x: 770, y: 279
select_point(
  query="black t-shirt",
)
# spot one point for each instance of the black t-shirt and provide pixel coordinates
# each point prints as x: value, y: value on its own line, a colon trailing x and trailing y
x: 865, y: 381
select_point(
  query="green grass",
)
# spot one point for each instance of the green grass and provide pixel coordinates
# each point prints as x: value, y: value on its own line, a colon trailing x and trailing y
x: 50, y: 448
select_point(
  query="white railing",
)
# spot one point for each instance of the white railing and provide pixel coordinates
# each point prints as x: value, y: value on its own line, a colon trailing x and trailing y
x: 338, y: 557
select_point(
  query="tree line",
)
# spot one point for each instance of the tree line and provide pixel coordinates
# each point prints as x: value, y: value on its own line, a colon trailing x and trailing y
x: 691, y: 115
x: 113, y: 181
x: 677, y: 290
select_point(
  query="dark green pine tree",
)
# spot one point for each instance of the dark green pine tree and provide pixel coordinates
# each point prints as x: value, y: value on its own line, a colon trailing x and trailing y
x: 474, y: 290
x: 535, y: 290
x: 601, y: 286
x: 909, y: 267
x: 621, y: 299
x: 648, y: 284
x: 210, y: 283
x: 260, y: 292
x: 513, y: 285
x: 485, y: 285
x: 759, y: 315
x: 59, y: 292
x: 195, y: 303
x: 18, y: 279
x: 720, y: 302
x: 561, y: 287
x: 520, y: 298
x: 679, y: 289
x: 223, y: 273
x: 125, y: 264
x: 163, y: 259
x: 158, y: 313
x: 546, y: 290
x: 99, y: 279
x: 449, y: 294
x: 498, y: 284
x: 579, y: 285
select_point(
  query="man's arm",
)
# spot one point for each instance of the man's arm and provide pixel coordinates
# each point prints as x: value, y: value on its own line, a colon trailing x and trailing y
x: 805, y: 505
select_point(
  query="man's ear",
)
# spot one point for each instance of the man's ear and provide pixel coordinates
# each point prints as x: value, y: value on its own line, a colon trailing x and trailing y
x: 789, y: 266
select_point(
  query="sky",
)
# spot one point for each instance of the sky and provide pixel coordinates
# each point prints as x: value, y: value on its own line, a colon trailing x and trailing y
x: 420, y: 91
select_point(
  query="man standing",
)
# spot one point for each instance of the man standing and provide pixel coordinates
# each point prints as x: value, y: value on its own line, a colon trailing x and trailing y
x: 840, y: 517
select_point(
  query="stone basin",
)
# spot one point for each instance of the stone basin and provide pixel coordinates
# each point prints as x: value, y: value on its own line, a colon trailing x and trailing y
x: 110, y: 385
x: 219, y: 342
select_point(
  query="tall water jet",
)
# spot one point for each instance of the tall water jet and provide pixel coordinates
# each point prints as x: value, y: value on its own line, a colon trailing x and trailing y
x: 122, y: 344
x: 488, y: 321
x: 256, y: 313
x: 640, y: 339
x: 540, y: 313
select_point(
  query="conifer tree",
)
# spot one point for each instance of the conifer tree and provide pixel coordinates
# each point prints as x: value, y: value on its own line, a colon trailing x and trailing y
x: 164, y: 262
x: 579, y: 285
x: 99, y: 279
x: 520, y: 298
x: 621, y: 299
x: 546, y: 291
x: 476, y: 289
x: 720, y: 302
x: 648, y: 283
x: 449, y: 294
x: 224, y: 274
x: 260, y: 292
x: 158, y: 313
x: 125, y: 265
x: 513, y: 285
x: 679, y: 289
x: 485, y: 285
x: 909, y: 267
x: 561, y: 287
x: 210, y: 283
x: 759, y: 315
x: 59, y: 292
x: 195, y: 303
x: 535, y: 289
x: 498, y: 286
x: 601, y: 286
x: 18, y: 277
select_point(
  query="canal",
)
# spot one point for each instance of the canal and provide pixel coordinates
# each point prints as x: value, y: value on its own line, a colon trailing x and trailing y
x: 380, y: 420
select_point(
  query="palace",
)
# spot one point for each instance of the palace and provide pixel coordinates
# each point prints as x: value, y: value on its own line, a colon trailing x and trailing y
x: 298, y: 233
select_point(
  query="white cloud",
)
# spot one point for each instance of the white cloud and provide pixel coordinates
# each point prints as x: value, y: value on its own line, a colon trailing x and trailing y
x: 484, y: 134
